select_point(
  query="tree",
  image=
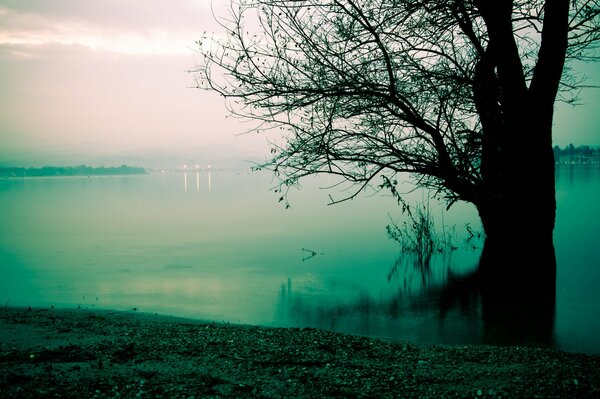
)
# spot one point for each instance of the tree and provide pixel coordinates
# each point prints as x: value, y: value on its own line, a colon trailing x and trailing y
x: 460, y: 94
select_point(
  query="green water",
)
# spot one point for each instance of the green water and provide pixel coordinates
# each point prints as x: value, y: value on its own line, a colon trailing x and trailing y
x: 218, y: 246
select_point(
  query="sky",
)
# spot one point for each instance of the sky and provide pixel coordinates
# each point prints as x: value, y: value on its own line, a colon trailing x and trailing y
x: 84, y: 81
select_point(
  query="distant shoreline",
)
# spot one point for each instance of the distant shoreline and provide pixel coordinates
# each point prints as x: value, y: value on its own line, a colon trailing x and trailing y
x: 68, y: 171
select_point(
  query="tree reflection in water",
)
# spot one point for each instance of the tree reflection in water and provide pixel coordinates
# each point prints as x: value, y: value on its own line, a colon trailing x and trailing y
x: 431, y: 303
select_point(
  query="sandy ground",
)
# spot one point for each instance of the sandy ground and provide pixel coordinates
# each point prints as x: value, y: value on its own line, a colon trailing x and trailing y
x: 52, y: 353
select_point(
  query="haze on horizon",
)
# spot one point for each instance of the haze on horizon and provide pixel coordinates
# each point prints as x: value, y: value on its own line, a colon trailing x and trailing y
x: 87, y: 81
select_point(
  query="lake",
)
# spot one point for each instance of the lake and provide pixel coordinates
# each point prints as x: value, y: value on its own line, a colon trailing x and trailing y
x: 219, y: 246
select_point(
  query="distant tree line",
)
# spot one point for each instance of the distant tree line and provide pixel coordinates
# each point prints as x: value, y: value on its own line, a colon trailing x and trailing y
x: 580, y: 154
x: 81, y: 170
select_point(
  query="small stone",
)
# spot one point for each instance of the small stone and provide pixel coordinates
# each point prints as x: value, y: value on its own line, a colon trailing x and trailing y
x: 479, y: 392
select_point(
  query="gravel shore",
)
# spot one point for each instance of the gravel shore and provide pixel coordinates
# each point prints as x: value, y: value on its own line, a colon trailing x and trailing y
x: 81, y: 353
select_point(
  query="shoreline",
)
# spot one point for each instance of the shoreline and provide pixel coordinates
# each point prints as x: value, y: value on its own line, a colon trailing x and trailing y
x: 105, y: 353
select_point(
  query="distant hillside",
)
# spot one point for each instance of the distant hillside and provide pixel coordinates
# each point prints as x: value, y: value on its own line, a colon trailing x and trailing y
x: 81, y: 170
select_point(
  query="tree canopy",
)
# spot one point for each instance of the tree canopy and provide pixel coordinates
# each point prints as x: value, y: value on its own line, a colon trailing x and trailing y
x: 368, y: 88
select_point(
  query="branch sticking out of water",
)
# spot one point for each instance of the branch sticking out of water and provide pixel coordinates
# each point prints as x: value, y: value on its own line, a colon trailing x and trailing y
x: 311, y: 253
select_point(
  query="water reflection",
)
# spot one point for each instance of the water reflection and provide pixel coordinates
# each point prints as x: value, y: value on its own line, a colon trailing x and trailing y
x: 431, y: 303
x: 208, y: 182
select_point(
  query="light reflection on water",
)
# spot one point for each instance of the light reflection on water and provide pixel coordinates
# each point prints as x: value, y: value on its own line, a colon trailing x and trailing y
x: 175, y: 244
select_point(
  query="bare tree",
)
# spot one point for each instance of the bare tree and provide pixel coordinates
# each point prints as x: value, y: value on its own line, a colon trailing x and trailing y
x: 458, y: 93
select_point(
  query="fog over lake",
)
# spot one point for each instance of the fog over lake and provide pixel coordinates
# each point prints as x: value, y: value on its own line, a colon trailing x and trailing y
x: 219, y: 246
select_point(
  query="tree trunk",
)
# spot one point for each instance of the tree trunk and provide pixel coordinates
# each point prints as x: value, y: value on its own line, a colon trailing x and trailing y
x: 516, y: 202
x: 518, y: 207
x: 517, y: 270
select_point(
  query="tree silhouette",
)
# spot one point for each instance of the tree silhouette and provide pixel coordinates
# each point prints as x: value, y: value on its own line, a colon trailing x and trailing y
x: 460, y: 94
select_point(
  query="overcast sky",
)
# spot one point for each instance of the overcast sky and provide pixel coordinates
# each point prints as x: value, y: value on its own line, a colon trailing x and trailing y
x: 110, y: 76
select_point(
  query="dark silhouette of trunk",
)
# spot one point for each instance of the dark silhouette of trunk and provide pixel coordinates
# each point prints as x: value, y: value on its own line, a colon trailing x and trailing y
x: 517, y: 270
x: 518, y: 211
x: 517, y: 202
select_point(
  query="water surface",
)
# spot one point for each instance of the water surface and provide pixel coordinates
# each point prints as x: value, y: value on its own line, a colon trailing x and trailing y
x: 219, y: 246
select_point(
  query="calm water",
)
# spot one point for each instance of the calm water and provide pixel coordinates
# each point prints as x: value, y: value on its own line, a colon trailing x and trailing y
x: 218, y: 246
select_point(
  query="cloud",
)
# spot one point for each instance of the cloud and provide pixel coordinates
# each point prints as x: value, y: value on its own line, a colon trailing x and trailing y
x: 147, y: 27
x: 121, y: 14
